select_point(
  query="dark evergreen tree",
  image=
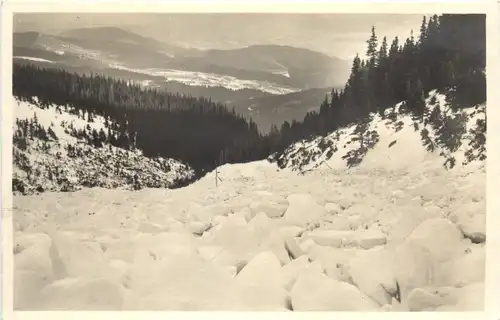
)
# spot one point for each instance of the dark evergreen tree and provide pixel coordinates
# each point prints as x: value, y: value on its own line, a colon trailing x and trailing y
x: 371, y: 51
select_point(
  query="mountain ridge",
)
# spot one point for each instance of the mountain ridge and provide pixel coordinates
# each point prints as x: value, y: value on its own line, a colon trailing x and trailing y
x: 257, y: 62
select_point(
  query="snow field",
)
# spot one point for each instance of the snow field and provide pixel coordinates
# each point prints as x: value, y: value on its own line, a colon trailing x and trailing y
x: 264, y: 239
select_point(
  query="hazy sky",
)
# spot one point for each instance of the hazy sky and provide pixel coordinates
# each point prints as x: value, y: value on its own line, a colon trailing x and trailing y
x: 341, y: 35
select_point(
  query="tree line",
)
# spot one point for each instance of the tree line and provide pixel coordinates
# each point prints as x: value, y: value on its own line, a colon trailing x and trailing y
x: 448, y: 55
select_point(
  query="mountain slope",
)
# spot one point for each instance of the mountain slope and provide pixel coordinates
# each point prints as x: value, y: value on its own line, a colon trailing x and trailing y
x: 398, y: 140
x: 105, y: 34
x: 96, y: 47
x: 57, y: 149
x: 296, y: 66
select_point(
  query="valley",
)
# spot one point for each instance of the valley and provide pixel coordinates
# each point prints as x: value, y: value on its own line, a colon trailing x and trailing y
x: 241, y: 78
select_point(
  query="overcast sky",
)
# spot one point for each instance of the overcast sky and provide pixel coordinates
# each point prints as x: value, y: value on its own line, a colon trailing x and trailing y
x: 341, y: 35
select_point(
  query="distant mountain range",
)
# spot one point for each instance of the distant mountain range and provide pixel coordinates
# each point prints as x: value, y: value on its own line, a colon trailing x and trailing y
x: 250, y: 79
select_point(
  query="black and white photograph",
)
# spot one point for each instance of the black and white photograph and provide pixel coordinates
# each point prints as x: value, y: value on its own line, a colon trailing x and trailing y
x: 290, y: 162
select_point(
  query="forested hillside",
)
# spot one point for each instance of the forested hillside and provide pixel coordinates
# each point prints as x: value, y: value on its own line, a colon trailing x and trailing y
x: 448, y: 55
x: 169, y: 125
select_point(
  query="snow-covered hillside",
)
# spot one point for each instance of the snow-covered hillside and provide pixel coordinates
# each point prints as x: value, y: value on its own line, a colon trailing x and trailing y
x: 398, y: 141
x: 58, y: 149
x: 375, y: 237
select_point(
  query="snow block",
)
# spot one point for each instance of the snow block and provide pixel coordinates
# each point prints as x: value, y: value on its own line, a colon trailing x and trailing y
x: 77, y: 257
x: 291, y: 271
x: 83, y: 294
x: 315, y: 291
x: 333, y: 208
x: 365, y: 239
x: 380, y: 284
x: 293, y: 248
x: 421, y: 299
x: 302, y: 209
x: 263, y: 283
x: 432, y: 243
x: 273, y: 206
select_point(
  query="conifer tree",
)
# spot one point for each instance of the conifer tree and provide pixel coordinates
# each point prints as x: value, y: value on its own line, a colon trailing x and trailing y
x: 371, y: 51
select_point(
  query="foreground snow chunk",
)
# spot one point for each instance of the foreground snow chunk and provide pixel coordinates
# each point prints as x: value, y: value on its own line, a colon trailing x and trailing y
x: 334, y: 261
x: 27, y: 288
x: 77, y: 255
x: 263, y: 283
x: 315, y: 291
x: 421, y: 299
x: 333, y: 208
x: 82, y: 294
x: 32, y: 253
x: 293, y: 248
x: 205, y: 286
x: 470, y: 298
x: 302, y: 209
x: 365, y: 239
x: 149, y: 227
x: 33, y: 268
x: 236, y: 240
x: 432, y: 243
x: 463, y: 270
x: 275, y: 242
x: 380, y: 282
x: 471, y: 219
x: 272, y: 206
x: 291, y: 271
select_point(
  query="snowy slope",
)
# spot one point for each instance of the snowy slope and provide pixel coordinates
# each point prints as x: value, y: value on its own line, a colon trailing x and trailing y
x: 395, y: 141
x: 65, y: 162
x: 334, y: 239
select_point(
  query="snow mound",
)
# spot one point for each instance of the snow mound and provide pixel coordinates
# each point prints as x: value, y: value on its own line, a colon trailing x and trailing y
x: 443, y: 136
x: 57, y: 148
